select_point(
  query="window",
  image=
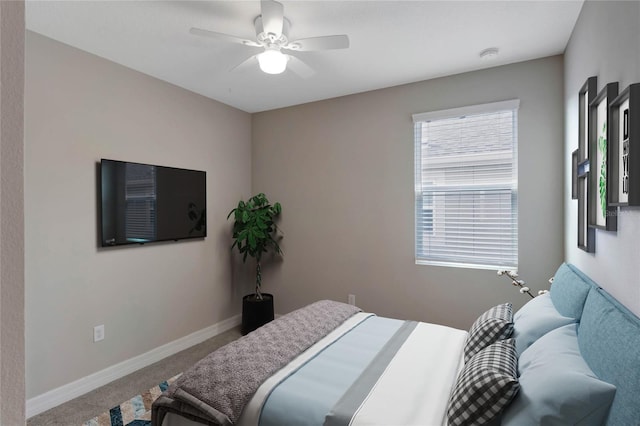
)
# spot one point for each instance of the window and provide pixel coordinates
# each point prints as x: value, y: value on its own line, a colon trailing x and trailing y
x: 466, y: 186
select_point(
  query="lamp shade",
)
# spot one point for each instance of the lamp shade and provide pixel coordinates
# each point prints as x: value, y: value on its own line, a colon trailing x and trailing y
x: 273, y: 61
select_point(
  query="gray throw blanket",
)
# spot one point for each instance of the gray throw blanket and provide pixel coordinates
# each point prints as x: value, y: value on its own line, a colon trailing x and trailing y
x: 216, y: 389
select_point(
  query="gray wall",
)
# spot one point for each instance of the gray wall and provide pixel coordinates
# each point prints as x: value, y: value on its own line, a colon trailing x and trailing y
x: 343, y: 171
x: 12, y: 345
x: 605, y: 43
x: 80, y: 108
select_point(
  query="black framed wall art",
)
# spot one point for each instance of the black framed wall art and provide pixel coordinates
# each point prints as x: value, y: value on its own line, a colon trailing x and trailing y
x: 602, y: 215
x: 574, y: 174
x: 586, y: 235
x: 625, y: 148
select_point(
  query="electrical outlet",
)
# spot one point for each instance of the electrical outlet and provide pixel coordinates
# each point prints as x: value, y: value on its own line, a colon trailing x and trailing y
x: 352, y: 299
x: 98, y: 333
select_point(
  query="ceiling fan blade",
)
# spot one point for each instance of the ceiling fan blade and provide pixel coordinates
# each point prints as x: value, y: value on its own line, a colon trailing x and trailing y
x: 319, y: 43
x: 223, y: 37
x: 272, y: 17
x: 251, y: 61
x: 299, y: 67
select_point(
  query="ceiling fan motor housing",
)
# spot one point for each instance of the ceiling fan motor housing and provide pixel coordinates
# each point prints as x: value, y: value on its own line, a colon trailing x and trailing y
x: 269, y: 39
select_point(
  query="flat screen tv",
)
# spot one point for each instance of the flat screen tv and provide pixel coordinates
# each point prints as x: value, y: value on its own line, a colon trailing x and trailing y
x: 141, y: 203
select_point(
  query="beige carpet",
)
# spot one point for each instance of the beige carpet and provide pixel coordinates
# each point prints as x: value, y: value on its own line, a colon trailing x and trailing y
x: 94, y: 403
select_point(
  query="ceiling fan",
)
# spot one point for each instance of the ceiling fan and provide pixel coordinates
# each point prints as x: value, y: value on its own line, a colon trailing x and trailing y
x: 272, y: 29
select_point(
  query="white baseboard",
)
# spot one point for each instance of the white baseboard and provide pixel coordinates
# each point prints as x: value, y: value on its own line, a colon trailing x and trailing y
x: 55, y: 397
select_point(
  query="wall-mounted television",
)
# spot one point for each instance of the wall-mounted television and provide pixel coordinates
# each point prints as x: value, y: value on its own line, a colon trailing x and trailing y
x: 142, y: 203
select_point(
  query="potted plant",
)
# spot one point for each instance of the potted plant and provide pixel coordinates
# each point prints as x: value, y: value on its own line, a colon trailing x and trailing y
x: 254, y: 234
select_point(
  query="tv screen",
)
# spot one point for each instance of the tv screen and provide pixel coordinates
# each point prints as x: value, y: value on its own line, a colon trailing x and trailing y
x: 141, y: 203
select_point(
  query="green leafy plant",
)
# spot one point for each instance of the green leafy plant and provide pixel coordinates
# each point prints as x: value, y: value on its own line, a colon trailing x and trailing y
x: 255, y: 232
x: 602, y: 181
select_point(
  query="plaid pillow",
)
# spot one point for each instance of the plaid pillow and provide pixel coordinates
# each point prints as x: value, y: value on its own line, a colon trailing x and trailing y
x: 485, y: 386
x: 495, y: 324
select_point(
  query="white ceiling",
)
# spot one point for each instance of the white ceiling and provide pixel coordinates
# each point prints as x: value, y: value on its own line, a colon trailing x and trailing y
x: 392, y: 42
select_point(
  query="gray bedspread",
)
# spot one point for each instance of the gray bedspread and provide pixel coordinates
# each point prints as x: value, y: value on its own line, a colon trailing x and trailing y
x: 216, y: 389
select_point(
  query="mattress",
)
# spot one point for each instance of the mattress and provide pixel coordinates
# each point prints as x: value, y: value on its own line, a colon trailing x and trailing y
x: 356, y: 373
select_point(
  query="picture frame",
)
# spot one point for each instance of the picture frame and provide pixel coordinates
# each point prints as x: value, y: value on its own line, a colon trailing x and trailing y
x: 625, y: 131
x: 586, y: 234
x: 602, y: 215
x: 574, y: 174
x: 586, y: 95
x: 586, y: 238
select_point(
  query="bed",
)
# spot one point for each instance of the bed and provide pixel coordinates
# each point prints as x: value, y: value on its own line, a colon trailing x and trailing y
x: 570, y: 356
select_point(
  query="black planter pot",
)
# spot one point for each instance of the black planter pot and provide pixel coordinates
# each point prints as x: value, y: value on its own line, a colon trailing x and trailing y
x: 256, y: 313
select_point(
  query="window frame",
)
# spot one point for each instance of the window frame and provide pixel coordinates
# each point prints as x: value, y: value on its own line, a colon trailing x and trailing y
x: 494, y: 107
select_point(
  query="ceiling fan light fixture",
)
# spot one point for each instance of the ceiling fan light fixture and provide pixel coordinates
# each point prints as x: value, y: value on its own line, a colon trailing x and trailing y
x: 273, y: 61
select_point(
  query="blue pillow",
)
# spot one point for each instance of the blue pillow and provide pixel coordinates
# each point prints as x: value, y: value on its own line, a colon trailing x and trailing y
x: 557, y: 387
x: 569, y: 291
x: 535, y: 319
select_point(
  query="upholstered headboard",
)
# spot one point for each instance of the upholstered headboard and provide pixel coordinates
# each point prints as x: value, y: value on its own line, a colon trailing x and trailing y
x: 608, y: 338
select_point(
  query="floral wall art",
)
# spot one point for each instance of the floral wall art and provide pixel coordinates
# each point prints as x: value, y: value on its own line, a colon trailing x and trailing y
x: 602, y: 215
x: 601, y: 165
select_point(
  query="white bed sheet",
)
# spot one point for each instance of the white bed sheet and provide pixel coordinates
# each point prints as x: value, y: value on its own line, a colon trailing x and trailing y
x: 415, y: 387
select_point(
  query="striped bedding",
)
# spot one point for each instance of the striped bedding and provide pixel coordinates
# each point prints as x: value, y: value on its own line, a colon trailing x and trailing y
x: 356, y: 373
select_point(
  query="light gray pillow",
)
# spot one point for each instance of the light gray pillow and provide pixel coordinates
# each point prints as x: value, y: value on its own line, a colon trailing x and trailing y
x: 557, y: 387
x: 535, y: 319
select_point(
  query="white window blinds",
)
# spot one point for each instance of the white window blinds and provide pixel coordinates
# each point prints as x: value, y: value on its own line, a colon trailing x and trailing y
x: 466, y: 186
